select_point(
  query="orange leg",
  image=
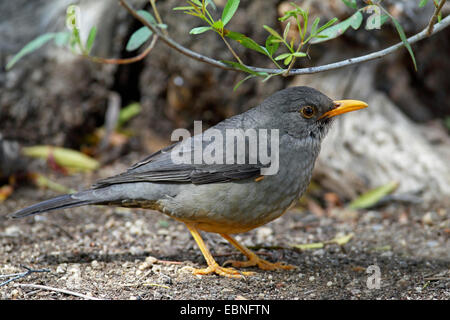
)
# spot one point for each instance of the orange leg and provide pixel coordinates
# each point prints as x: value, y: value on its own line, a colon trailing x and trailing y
x: 213, y: 267
x: 253, y: 259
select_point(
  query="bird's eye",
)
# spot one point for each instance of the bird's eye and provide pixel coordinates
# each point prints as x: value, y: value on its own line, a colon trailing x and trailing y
x: 307, y: 112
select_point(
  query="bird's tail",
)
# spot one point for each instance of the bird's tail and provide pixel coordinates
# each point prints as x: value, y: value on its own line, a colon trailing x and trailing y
x: 61, y: 202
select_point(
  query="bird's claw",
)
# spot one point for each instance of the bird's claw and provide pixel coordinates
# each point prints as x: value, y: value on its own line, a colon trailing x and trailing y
x: 222, y: 271
x: 261, y: 264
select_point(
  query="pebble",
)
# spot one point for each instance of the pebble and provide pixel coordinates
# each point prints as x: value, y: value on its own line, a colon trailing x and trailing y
x: 61, y: 269
x: 312, y: 278
x: 12, y: 231
x: 14, y: 293
x: 264, y: 234
x: 329, y: 284
x: 149, y: 261
x: 95, y: 265
x: 185, y: 269
x: 429, y: 218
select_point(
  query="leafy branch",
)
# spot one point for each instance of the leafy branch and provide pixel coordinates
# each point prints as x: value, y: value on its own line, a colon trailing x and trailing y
x: 295, y: 47
x: 72, y: 40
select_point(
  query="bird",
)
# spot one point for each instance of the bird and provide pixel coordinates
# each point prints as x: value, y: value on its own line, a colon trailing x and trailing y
x: 226, y: 196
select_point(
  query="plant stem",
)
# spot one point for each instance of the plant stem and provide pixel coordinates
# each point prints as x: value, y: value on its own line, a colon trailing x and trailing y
x: 231, y: 50
x: 434, y: 17
x: 332, y: 66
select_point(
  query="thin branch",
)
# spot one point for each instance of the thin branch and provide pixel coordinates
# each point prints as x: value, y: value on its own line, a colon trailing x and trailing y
x: 20, y: 275
x: 126, y: 60
x: 157, y: 16
x: 38, y: 286
x: 434, y: 17
x: 372, y: 56
x: 231, y: 50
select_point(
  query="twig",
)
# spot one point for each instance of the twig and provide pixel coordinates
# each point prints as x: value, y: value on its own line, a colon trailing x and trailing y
x: 20, y: 275
x: 434, y: 17
x: 157, y: 16
x: 38, y: 286
x: 372, y: 56
x: 231, y: 50
x: 126, y: 60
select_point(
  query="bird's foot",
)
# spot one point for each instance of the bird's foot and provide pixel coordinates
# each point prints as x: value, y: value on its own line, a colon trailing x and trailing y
x: 222, y: 271
x: 256, y: 261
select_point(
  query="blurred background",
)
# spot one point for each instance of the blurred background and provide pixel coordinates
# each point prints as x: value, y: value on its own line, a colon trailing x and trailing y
x: 118, y: 114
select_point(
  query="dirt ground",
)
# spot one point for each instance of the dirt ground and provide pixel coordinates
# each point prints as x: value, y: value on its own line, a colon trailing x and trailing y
x: 116, y: 253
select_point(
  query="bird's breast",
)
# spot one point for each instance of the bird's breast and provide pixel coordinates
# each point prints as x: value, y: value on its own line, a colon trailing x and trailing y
x: 235, y: 207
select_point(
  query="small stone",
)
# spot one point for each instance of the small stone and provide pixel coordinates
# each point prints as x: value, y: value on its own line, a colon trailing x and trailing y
x: 162, y: 232
x: 95, y: 265
x: 264, y: 234
x: 329, y: 284
x: 429, y: 218
x: 185, y: 269
x: 151, y: 260
x: 312, y: 278
x: 60, y: 269
x: 14, y: 293
x: 12, y: 231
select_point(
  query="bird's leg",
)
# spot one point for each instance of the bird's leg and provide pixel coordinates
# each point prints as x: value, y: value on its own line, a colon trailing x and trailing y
x: 213, y: 266
x: 253, y: 259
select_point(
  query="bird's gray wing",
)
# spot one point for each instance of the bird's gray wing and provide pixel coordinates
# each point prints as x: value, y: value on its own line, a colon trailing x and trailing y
x: 159, y: 167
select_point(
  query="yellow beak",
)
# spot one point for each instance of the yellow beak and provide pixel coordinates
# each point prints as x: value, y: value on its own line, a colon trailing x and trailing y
x: 344, y: 106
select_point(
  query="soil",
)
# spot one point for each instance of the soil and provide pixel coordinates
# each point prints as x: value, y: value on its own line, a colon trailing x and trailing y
x: 116, y: 253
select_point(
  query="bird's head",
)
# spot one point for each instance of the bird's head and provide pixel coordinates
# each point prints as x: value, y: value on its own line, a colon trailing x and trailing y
x: 306, y: 113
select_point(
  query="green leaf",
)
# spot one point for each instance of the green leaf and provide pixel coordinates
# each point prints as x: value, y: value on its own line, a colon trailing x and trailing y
x: 229, y: 11
x: 199, y: 30
x: 286, y: 30
x: 350, y: 3
x: 244, y: 68
x: 138, y: 38
x: 272, y: 32
x: 328, y: 24
x: 315, y: 25
x: 288, y: 60
x: 62, y: 38
x: 182, y: 8
x: 383, y: 18
x: 299, y: 54
x: 128, y: 112
x: 356, y: 20
x: 90, y: 39
x: 338, y: 29
x: 371, y: 197
x: 147, y: 16
x: 242, y: 81
x: 211, y: 2
x: 43, y: 182
x: 423, y: 3
x: 218, y: 25
x: 404, y: 40
x: 67, y: 158
x: 30, y: 47
x: 197, y: 2
x: 283, y: 56
x: 246, y: 42
x: 271, y: 46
